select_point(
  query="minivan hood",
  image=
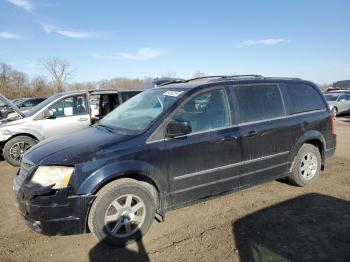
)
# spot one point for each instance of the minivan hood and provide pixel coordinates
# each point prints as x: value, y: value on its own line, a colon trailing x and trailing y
x: 12, y: 105
x: 88, y: 144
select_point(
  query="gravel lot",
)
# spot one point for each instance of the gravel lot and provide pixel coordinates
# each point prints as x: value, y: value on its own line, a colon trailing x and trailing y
x: 274, y: 221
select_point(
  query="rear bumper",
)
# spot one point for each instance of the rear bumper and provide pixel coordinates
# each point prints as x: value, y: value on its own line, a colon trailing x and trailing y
x: 331, y: 146
x: 54, y: 213
x: 330, y: 152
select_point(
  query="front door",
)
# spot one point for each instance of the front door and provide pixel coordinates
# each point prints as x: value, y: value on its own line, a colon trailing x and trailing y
x: 206, y: 161
x: 69, y: 114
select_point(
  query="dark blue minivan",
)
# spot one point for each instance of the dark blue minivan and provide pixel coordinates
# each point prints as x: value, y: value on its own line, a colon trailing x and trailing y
x: 172, y: 145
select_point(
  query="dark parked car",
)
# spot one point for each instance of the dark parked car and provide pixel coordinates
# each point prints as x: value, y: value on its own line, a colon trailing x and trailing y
x: 23, y: 104
x: 173, y: 145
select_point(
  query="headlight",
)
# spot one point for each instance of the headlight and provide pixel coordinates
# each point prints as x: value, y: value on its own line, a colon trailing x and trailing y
x: 49, y: 175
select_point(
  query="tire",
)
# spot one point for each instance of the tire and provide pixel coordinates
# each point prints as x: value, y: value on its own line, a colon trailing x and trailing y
x: 110, y: 225
x: 15, y: 148
x: 335, y: 111
x: 306, y: 167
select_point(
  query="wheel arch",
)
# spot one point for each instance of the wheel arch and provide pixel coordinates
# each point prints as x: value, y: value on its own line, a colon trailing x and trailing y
x: 139, y: 177
x: 23, y: 134
x: 136, y: 170
x: 314, y: 138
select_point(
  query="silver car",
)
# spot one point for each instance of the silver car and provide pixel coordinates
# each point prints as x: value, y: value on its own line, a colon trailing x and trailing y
x: 59, y: 114
x: 339, y: 102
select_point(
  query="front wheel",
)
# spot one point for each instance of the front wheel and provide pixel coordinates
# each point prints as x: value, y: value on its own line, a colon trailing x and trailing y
x: 122, y: 212
x: 306, y: 166
x: 15, y: 148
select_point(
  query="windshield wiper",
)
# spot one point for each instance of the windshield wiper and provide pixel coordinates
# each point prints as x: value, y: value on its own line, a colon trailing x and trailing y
x: 110, y: 129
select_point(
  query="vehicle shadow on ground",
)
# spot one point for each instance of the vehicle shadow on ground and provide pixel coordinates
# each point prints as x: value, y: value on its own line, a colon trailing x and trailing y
x: 103, y: 252
x: 312, y: 227
x: 345, y: 118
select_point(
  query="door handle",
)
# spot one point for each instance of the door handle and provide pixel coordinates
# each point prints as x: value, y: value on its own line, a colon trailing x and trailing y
x: 228, y: 138
x: 251, y: 133
x: 82, y: 119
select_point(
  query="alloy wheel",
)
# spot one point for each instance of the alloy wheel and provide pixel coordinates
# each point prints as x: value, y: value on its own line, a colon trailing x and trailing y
x: 308, y: 166
x: 18, y: 149
x: 125, y: 215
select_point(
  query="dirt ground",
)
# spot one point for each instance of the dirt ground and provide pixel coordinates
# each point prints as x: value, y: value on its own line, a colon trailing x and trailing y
x: 269, y: 222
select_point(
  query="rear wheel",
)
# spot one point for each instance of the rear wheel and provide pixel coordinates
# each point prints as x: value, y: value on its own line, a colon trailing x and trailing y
x: 306, y: 166
x: 15, y: 148
x: 122, y: 212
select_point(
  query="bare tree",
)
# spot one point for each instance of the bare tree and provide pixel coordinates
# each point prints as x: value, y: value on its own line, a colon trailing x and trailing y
x: 40, y: 87
x: 5, y: 71
x: 20, y: 82
x: 59, y: 70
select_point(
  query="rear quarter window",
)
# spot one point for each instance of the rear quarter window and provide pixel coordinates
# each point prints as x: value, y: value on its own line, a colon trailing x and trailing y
x: 302, y: 98
x: 259, y: 102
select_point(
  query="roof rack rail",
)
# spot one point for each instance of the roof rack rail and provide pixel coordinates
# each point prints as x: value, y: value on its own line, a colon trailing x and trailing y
x: 172, y: 82
x: 220, y: 77
x: 289, y: 78
x: 204, y: 77
x: 223, y: 77
x: 249, y: 75
x: 189, y: 80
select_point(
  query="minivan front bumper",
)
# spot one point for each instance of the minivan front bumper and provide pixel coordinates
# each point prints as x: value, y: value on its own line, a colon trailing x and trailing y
x: 54, y: 212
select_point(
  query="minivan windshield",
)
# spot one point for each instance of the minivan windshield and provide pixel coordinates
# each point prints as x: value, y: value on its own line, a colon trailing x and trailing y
x: 331, y: 97
x: 41, y: 105
x: 140, y: 111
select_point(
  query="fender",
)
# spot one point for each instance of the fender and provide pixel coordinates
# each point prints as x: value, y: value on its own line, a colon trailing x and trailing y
x: 115, y: 170
x: 24, y: 131
x: 309, y: 135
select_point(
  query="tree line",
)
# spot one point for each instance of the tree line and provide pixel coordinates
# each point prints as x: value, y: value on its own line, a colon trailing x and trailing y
x: 17, y: 84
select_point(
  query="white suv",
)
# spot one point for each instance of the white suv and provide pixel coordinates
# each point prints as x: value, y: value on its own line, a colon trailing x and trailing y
x: 59, y: 114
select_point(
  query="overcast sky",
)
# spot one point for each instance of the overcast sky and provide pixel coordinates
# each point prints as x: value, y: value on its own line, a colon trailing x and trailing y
x: 105, y: 39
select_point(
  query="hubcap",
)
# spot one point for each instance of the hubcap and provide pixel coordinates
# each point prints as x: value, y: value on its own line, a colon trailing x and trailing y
x: 18, y: 149
x: 125, y: 215
x: 308, y: 166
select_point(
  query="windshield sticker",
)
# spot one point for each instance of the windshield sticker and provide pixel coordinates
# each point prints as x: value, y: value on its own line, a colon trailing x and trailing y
x: 173, y: 93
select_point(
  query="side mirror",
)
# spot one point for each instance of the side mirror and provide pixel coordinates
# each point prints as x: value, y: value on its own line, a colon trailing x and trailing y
x: 342, y: 100
x: 178, y: 128
x: 48, y: 114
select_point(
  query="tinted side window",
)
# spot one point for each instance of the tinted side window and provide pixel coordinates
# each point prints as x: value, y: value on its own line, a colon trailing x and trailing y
x: 128, y: 95
x: 303, y: 98
x: 208, y: 110
x: 28, y: 103
x: 258, y: 102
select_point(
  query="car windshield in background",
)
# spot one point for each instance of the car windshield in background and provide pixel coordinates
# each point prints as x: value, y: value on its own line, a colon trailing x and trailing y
x: 17, y: 102
x: 331, y: 97
x: 140, y: 111
x: 41, y: 105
